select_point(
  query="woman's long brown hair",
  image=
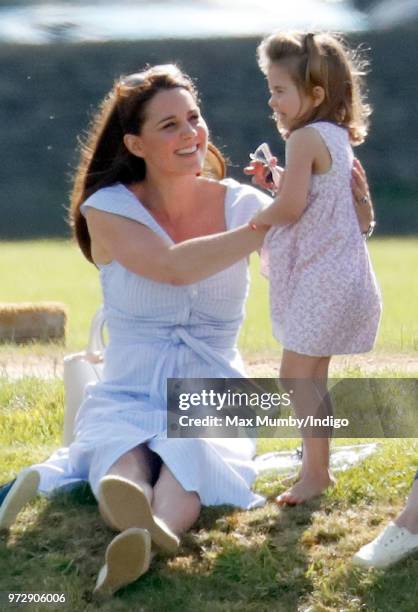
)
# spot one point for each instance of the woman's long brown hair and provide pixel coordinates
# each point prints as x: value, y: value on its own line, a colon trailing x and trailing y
x: 105, y: 160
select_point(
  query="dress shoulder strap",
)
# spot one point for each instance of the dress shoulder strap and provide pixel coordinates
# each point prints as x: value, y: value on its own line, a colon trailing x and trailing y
x: 242, y: 202
x: 119, y: 200
x: 336, y: 140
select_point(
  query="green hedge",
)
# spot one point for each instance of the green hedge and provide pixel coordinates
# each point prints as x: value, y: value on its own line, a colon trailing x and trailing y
x: 47, y: 93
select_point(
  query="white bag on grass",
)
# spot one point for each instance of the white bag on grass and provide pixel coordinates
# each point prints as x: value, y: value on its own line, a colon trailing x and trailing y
x: 81, y: 369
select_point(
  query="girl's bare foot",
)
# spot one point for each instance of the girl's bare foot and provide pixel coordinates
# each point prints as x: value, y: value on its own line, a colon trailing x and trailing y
x: 306, y: 488
x: 291, y: 480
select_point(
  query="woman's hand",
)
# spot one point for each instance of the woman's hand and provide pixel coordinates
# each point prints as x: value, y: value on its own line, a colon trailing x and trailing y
x: 362, y: 199
x: 262, y: 176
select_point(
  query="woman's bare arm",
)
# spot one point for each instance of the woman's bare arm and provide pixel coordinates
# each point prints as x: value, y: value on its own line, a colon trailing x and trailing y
x: 145, y: 253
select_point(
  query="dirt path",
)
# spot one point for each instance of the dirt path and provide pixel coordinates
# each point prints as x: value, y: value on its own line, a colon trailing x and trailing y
x: 371, y: 363
x: 14, y: 366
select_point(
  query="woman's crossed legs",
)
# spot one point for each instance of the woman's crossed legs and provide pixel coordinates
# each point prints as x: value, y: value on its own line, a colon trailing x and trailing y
x: 169, y: 501
x: 140, y: 497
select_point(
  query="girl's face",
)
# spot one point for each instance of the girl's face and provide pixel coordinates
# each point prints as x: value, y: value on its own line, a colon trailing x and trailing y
x: 174, y: 136
x: 286, y: 100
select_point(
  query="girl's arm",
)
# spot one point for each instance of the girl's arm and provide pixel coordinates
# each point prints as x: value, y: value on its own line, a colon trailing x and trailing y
x: 143, y: 252
x: 359, y: 185
x: 288, y: 206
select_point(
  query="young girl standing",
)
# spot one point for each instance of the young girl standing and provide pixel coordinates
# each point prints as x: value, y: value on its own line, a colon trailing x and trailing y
x: 324, y: 298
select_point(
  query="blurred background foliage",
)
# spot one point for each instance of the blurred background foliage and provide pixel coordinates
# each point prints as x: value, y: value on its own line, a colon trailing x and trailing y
x: 48, y: 93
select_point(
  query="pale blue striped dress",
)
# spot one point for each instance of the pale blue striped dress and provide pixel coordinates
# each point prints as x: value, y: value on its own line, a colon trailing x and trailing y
x: 159, y: 331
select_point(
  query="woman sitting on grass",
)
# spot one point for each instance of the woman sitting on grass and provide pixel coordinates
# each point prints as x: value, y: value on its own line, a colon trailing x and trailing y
x: 170, y: 236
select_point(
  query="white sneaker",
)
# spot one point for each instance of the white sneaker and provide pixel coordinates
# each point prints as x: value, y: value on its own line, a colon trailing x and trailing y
x: 23, y: 489
x: 390, y: 546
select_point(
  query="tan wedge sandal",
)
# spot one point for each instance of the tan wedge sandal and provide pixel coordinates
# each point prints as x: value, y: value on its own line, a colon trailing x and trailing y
x: 128, y: 557
x: 127, y: 506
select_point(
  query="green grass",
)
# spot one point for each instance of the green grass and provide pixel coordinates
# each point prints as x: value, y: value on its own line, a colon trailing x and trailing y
x: 55, y: 270
x: 266, y: 559
x: 52, y: 270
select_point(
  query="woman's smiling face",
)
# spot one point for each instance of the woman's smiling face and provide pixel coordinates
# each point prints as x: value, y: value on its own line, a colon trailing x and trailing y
x: 174, y: 136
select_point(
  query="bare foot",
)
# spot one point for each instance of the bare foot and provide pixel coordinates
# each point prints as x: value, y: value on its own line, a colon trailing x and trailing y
x: 305, y: 489
x: 294, y: 478
x: 291, y: 480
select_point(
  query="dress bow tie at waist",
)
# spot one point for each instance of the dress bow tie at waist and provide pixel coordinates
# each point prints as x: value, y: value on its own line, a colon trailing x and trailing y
x: 165, y: 365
